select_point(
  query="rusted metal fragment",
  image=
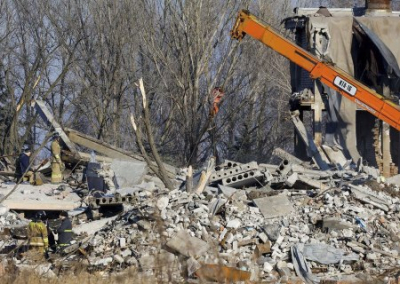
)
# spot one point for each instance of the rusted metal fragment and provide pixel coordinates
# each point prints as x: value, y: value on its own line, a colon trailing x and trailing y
x: 222, y: 274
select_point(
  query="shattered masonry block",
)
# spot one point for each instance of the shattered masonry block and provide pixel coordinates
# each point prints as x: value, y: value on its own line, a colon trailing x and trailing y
x: 267, y: 176
x: 118, y: 258
x: 267, y: 267
x: 162, y: 203
x: 126, y: 253
x: 227, y: 164
x: 291, y: 180
x: 122, y: 242
x: 192, y: 266
x: 272, y: 231
x: 334, y: 223
x: 278, y: 179
x: 284, y: 168
x: 234, y: 224
x: 263, y: 237
x: 243, y: 179
x: 225, y: 173
x: 105, y: 200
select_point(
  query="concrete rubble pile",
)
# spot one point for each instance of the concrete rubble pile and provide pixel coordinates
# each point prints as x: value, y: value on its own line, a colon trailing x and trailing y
x: 282, y: 223
x: 8, y: 218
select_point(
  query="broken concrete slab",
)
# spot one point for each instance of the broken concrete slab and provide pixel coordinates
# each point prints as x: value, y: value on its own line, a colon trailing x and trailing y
x: 333, y: 223
x: 291, y: 180
x: 92, y: 227
x: 244, y: 179
x: 29, y: 197
x: 274, y: 206
x: 129, y: 173
x: 84, y: 158
x: 109, y: 150
x: 232, y: 170
x: 192, y: 266
x: 153, y: 261
x: 227, y: 190
x: 284, y: 168
x: 335, y: 156
x: 326, y: 254
x: 39, y: 205
x: 286, y: 156
x: 187, y: 245
x: 370, y: 197
x: 215, y: 205
x: 313, y: 151
x: 238, y: 232
x: 313, y: 183
x: 394, y: 180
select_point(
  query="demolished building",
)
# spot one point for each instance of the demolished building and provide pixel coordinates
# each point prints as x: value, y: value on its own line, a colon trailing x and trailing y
x: 287, y: 224
x: 296, y: 222
x: 360, y: 42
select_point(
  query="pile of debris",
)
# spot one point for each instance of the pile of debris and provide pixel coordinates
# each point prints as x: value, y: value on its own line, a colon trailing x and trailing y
x: 8, y: 218
x: 253, y: 222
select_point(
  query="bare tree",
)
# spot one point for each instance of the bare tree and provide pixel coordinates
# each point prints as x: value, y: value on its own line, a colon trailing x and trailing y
x: 100, y: 73
x: 88, y: 55
x: 30, y: 52
x: 186, y: 46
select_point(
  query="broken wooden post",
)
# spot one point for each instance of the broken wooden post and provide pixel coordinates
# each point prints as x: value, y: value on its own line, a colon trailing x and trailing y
x: 205, y: 175
x: 189, y: 179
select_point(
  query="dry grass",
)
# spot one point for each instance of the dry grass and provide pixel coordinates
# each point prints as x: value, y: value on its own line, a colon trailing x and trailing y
x: 31, y: 277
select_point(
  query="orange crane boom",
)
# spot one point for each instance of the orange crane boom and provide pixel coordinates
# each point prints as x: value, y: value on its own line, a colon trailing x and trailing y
x: 332, y: 76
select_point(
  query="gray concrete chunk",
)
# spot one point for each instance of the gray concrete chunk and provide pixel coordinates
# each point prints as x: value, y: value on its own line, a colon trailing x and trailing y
x: 129, y: 173
x: 187, y: 245
x: 272, y: 231
x: 227, y: 190
x: 274, y: 206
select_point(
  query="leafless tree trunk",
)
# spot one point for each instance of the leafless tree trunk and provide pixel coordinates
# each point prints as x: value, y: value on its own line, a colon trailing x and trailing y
x: 160, y: 171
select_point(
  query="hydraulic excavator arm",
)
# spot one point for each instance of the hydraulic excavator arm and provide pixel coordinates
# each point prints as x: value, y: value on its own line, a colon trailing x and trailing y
x: 332, y: 76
